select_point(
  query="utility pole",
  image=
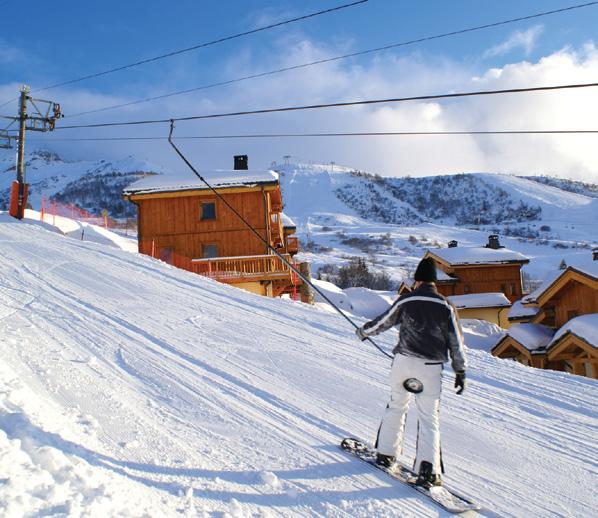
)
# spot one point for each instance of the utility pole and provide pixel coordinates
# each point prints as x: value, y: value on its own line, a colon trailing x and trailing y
x: 21, y: 150
x: 43, y: 118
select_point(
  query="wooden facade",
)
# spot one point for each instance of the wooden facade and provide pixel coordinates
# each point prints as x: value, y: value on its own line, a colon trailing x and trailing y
x: 476, y: 276
x: 561, y: 304
x: 572, y: 294
x: 195, y: 230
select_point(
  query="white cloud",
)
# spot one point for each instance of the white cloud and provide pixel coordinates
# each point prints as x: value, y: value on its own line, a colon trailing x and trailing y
x: 525, y: 40
x: 573, y: 156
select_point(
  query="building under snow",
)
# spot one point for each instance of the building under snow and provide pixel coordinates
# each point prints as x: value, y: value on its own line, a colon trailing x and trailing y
x: 491, y: 268
x: 559, y: 323
x: 184, y: 223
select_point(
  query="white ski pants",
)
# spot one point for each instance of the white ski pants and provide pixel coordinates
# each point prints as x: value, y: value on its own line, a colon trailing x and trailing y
x: 390, y: 434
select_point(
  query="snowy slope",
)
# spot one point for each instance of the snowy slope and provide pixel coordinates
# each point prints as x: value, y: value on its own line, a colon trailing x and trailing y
x: 130, y: 387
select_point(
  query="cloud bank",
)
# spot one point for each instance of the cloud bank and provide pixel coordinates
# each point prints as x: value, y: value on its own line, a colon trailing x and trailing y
x: 574, y: 156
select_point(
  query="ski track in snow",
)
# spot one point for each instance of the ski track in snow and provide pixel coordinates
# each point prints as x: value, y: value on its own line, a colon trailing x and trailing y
x: 181, y: 396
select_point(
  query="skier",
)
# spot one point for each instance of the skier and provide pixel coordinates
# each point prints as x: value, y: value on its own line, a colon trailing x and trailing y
x: 428, y: 331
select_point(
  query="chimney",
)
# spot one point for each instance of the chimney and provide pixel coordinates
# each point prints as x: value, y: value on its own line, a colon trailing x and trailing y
x: 241, y: 162
x: 452, y: 244
x: 493, y: 242
x: 595, y: 254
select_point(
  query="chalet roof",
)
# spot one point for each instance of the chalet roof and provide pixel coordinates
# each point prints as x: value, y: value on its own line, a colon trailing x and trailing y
x: 533, y: 337
x: 461, y: 256
x: 518, y: 310
x: 479, y: 300
x: 188, y: 181
x: 585, y: 327
x: 287, y: 222
x: 589, y: 270
x: 442, y: 276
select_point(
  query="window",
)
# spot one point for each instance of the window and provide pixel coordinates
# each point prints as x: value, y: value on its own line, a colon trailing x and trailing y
x: 503, y: 288
x: 513, y: 289
x: 209, y: 251
x: 571, y: 314
x: 207, y: 211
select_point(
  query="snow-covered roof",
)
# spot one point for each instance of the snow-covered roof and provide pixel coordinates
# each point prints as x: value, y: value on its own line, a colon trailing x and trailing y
x: 287, y: 222
x: 518, y: 310
x: 479, y: 300
x: 188, y: 181
x: 589, y: 269
x: 477, y: 255
x: 441, y: 275
x: 531, y: 336
x: 585, y: 326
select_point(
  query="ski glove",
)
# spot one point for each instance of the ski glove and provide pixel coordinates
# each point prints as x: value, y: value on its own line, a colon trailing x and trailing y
x: 360, y: 334
x: 460, y: 381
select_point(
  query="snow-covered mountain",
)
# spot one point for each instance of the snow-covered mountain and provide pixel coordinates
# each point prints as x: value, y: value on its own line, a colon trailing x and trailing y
x: 131, y: 388
x: 343, y: 213
x: 93, y: 186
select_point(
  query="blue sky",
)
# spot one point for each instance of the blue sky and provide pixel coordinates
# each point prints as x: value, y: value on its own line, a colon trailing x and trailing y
x: 67, y: 39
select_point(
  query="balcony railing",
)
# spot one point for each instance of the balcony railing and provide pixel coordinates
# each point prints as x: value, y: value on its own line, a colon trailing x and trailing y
x: 243, y: 268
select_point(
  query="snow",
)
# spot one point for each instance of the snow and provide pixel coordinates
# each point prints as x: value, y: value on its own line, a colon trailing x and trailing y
x: 480, y: 334
x: 588, y: 268
x: 479, y: 300
x: 518, y: 310
x: 531, y: 336
x: 369, y: 303
x: 131, y: 388
x: 187, y: 180
x: 585, y: 326
x: 477, y: 255
x: 336, y: 295
x: 287, y: 222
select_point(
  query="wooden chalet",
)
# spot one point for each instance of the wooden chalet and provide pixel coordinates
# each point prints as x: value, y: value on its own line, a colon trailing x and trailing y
x: 491, y: 307
x: 564, y: 308
x: 484, y: 269
x: 182, y: 222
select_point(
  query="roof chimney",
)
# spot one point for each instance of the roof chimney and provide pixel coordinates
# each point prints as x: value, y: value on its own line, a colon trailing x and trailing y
x: 493, y: 242
x: 595, y: 254
x: 241, y: 162
x: 452, y: 244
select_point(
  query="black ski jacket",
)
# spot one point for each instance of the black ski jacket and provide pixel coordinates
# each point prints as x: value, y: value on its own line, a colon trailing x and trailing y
x: 428, y: 327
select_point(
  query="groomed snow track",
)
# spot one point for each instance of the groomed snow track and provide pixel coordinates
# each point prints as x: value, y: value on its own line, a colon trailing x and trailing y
x: 131, y: 388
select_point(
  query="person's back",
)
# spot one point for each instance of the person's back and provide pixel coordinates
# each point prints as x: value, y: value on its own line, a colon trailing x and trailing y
x: 428, y: 333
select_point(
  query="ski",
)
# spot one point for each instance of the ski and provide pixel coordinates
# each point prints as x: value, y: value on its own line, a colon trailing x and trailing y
x: 441, y: 495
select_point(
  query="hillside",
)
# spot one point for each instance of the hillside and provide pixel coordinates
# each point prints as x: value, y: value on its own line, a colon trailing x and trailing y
x: 130, y: 387
x: 343, y: 213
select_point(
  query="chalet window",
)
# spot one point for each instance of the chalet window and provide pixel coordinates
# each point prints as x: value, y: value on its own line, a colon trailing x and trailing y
x: 513, y: 289
x: 571, y: 314
x: 207, y: 211
x: 209, y: 251
x: 503, y: 288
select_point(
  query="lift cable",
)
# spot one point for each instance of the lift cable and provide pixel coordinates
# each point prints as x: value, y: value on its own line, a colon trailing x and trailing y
x: 195, y: 47
x: 303, y: 277
x: 332, y: 59
x: 338, y: 134
x: 334, y: 105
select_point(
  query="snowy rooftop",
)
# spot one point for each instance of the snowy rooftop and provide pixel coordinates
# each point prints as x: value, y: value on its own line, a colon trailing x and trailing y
x: 477, y: 255
x: 441, y: 275
x: 518, y: 310
x: 287, y: 222
x: 479, y: 300
x: 589, y: 269
x: 188, y: 181
x: 585, y: 326
x: 531, y: 336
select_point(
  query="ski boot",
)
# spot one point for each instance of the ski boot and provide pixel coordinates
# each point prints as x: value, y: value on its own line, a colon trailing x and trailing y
x: 426, y: 478
x: 385, y: 461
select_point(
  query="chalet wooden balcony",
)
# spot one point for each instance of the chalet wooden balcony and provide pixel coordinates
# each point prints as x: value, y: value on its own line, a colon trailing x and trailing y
x: 292, y: 244
x: 249, y: 268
